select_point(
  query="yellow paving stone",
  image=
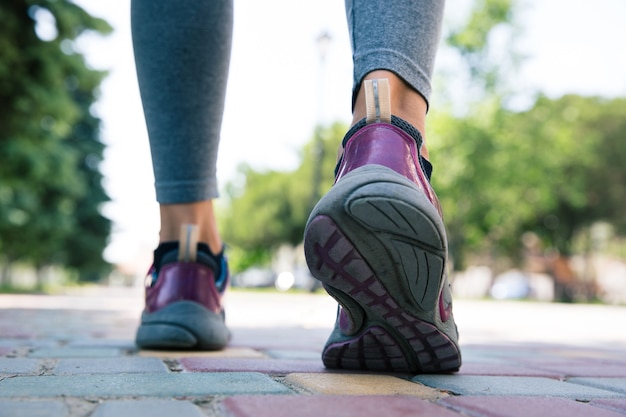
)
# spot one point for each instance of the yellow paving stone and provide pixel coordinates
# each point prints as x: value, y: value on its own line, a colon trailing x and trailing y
x: 226, y: 353
x: 362, y: 384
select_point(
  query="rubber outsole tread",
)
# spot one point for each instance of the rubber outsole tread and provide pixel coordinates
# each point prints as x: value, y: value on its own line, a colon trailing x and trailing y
x: 396, y: 291
x: 182, y: 325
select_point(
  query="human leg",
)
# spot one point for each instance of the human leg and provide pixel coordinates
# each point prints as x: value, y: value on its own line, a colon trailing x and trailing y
x: 200, y: 213
x: 377, y: 239
x: 182, y: 52
x: 395, y: 40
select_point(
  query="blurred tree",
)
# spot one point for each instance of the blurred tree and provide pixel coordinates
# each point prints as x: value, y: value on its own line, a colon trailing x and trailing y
x: 269, y: 208
x: 581, y: 147
x: 469, y: 146
x: 604, y: 126
x: 554, y: 169
x: 485, y: 43
x: 500, y: 172
x: 489, y: 181
x: 50, y: 189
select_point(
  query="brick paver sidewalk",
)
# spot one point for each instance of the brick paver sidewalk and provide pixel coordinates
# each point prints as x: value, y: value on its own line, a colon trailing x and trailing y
x: 72, y: 356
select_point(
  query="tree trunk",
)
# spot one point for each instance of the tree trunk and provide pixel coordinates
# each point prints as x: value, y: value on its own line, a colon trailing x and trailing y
x: 5, y: 274
x: 41, y: 274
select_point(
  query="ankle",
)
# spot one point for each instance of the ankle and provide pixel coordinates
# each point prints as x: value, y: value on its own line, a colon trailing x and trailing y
x: 201, y: 213
x: 405, y: 102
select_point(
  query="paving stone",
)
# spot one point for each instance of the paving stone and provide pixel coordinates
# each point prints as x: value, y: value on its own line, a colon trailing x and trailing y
x: 615, y: 405
x: 611, y: 384
x: 33, y: 409
x: 478, y: 356
x: 591, y: 369
x: 14, y: 344
x: 293, y: 354
x: 280, y: 337
x: 150, y: 407
x: 502, y: 352
x: 12, y: 332
x: 544, y: 361
x: 5, y: 350
x: 361, y: 384
x: 328, y: 405
x: 524, y: 406
x: 124, y: 344
x: 152, y: 384
x: 69, y: 352
x: 504, y: 385
x: 495, y: 369
x: 587, y: 354
x: 230, y: 352
x: 108, y: 366
x: 16, y: 366
x: 268, y: 366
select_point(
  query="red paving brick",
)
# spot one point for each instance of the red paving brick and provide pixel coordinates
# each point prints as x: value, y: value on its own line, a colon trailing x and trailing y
x: 4, y: 351
x: 572, y: 369
x: 525, y: 407
x: 324, y: 405
x: 615, y: 405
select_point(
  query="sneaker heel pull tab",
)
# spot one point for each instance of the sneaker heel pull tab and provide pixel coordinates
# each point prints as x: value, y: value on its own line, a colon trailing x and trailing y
x: 377, y: 101
x: 188, y: 245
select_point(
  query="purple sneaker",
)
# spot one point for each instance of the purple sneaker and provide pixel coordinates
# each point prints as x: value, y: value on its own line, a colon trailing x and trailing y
x: 378, y: 244
x: 184, y: 299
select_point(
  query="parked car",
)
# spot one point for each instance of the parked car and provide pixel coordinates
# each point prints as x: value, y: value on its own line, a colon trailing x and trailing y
x: 511, y: 285
x: 257, y: 277
x: 300, y: 278
x: 254, y: 277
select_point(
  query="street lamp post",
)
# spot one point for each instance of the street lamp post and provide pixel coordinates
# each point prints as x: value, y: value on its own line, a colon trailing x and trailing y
x: 323, y: 44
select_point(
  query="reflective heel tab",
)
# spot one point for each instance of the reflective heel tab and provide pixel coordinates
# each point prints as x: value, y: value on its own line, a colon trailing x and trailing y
x: 377, y: 101
x: 188, y: 243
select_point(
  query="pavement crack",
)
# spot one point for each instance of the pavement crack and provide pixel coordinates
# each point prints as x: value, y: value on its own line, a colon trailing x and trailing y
x: 293, y: 387
x: 173, y: 365
x: 47, y: 366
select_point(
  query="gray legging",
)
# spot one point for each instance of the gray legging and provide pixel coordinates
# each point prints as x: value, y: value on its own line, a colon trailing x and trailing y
x: 182, y: 52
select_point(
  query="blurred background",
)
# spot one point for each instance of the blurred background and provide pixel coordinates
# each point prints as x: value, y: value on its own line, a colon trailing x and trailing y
x: 526, y: 132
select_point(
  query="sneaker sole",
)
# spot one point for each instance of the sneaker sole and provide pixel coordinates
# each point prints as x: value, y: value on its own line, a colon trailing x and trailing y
x: 379, y: 247
x: 182, y: 325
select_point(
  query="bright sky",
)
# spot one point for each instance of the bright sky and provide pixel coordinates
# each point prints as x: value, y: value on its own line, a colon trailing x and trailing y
x: 274, y: 94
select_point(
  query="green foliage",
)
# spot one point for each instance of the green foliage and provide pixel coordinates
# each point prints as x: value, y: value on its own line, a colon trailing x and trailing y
x: 485, y: 42
x: 50, y: 189
x: 472, y: 38
x: 240, y: 259
x: 582, y: 146
x: 554, y: 170
x: 480, y: 182
x: 271, y: 208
